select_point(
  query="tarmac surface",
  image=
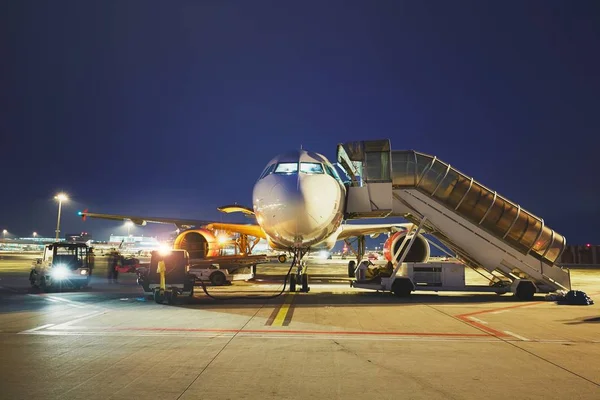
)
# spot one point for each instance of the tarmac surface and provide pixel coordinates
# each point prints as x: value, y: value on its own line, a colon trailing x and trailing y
x: 110, y: 342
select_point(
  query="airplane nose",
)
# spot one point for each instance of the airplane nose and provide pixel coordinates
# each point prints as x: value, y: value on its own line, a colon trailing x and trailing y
x: 286, y: 205
x: 295, y: 210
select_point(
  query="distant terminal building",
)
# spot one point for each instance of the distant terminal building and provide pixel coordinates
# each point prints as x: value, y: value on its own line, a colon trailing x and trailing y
x: 138, y: 242
x: 78, y: 237
x: 586, y: 254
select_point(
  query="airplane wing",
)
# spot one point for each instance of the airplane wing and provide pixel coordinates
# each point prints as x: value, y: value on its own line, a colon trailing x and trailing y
x: 252, y: 230
x: 353, y: 230
x: 182, y: 223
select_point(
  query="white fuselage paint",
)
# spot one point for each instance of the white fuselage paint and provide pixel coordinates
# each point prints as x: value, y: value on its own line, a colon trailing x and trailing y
x: 299, y: 210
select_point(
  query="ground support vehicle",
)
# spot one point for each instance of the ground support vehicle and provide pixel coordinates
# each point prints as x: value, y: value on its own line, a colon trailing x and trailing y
x: 238, y: 267
x: 170, y: 284
x: 128, y: 264
x: 435, y: 276
x: 63, y: 266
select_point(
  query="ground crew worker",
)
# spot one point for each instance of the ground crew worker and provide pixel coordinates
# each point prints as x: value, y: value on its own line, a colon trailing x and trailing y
x: 388, y: 270
x: 91, y: 259
x: 117, y: 260
x: 381, y: 271
x: 113, y: 262
x: 109, y: 266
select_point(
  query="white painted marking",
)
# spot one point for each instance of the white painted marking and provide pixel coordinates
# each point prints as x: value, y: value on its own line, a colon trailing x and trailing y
x: 69, y: 302
x: 499, y: 312
x: 517, y: 336
x: 478, y: 320
x: 80, y: 318
x: 252, y: 336
x: 38, y: 328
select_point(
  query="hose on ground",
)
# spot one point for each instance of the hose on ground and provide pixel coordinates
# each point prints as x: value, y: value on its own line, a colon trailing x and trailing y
x: 273, y: 296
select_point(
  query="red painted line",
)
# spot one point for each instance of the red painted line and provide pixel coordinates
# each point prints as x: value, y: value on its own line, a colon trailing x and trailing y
x: 484, y: 328
x: 284, y: 331
x: 492, y: 331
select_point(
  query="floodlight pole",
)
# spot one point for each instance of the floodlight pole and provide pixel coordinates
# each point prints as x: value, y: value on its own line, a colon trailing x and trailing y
x: 58, y: 220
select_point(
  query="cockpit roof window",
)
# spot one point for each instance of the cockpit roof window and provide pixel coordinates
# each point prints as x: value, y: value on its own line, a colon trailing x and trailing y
x: 311, y: 168
x: 286, y: 168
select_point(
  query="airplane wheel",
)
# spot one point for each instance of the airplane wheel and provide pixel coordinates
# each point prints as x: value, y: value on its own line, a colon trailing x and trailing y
x: 282, y: 258
x: 218, y: 278
x: 305, y: 287
x: 351, y: 268
x: 292, y: 282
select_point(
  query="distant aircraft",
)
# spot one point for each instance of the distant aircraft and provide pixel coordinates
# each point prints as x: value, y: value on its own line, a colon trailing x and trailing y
x: 299, y: 203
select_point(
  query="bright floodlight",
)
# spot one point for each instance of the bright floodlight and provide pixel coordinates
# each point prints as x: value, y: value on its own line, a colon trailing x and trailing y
x: 34, y: 234
x: 128, y: 223
x: 222, y: 239
x: 4, y: 232
x: 61, y: 197
x: 164, y: 250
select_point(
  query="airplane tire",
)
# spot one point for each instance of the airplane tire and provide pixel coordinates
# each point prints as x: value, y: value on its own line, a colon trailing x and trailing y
x: 282, y: 258
x: 305, y: 283
x: 351, y: 268
x: 292, y: 283
x: 218, y: 278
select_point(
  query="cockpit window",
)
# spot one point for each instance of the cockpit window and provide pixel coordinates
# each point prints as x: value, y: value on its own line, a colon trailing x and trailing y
x: 331, y: 172
x: 268, y: 171
x: 311, y: 168
x: 286, y: 168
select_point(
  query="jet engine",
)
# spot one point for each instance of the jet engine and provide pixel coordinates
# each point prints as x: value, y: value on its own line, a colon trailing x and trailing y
x: 199, y: 243
x: 419, y: 252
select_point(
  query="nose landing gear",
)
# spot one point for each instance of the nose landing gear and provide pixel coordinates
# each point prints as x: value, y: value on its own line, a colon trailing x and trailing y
x: 300, y: 276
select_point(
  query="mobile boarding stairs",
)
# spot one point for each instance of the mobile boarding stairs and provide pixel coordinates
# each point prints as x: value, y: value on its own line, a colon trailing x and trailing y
x: 485, y: 230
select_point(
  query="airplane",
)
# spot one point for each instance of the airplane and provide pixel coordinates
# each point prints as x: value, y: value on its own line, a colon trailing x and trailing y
x: 298, y: 203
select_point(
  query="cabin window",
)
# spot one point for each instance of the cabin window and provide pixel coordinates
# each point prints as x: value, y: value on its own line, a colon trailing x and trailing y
x: 311, y: 168
x: 286, y: 168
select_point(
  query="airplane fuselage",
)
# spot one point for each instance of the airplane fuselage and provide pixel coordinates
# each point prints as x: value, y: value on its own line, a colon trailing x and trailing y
x: 299, y: 201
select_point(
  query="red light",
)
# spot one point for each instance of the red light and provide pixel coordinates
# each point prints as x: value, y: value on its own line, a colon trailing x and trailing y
x: 588, y: 245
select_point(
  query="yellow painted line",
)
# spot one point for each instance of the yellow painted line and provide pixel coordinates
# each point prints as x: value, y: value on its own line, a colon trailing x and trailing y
x: 285, y: 307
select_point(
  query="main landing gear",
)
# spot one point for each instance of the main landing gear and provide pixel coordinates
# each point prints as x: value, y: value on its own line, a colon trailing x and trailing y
x: 299, y: 277
x: 359, y: 252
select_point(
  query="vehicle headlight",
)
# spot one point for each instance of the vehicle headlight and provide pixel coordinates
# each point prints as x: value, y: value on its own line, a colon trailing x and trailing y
x: 83, y: 272
x: 60, y: 272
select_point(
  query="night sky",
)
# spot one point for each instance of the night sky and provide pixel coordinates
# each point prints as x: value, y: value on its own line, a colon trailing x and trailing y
x: 172, y: 108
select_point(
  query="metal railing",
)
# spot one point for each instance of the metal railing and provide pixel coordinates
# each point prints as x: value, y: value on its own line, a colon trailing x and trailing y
x: 481, y: 206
